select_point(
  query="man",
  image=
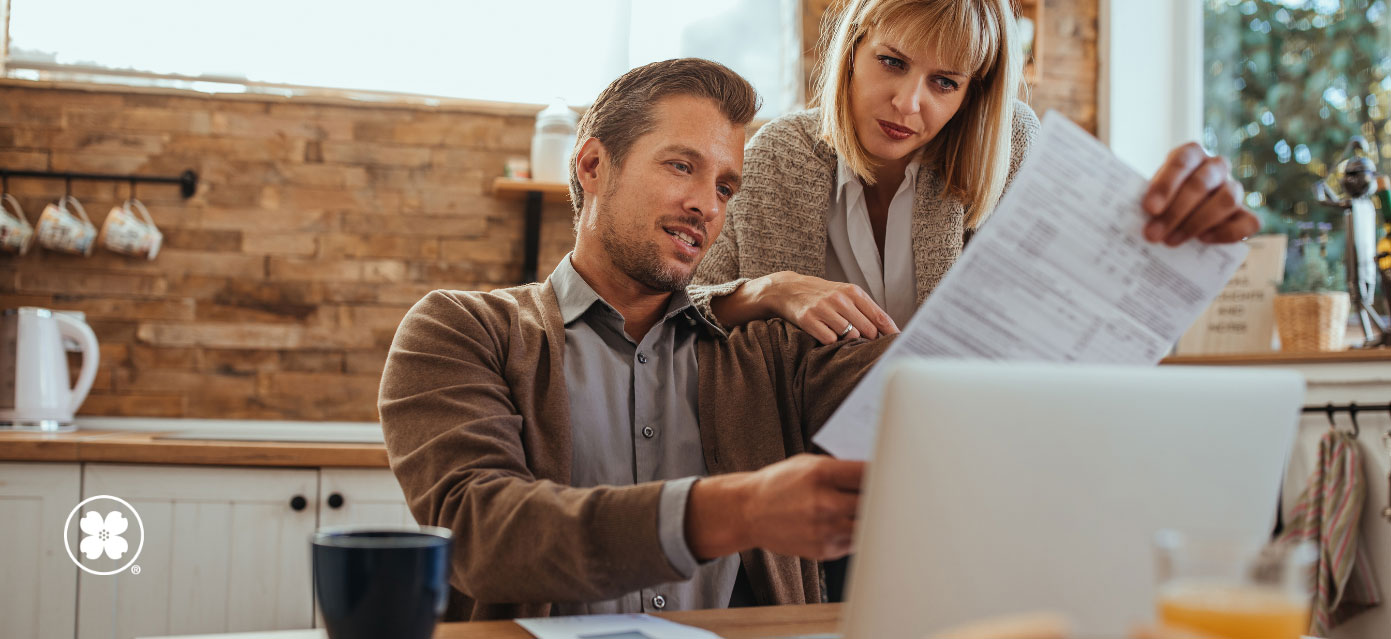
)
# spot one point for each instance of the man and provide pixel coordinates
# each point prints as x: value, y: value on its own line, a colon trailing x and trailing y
x: 593, y: 443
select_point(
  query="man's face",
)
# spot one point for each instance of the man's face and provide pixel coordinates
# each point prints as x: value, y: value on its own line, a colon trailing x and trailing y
x: 661, y: 211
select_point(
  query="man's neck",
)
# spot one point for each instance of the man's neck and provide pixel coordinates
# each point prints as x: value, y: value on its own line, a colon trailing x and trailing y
x: 640, y: 306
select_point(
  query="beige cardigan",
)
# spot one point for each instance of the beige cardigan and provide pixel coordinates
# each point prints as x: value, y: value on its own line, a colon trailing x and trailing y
x: 475, y: 413
x: 777, y: 222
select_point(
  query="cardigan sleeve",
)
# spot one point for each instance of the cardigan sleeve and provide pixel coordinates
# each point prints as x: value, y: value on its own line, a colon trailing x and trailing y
x: 453, y: 432
x: 773, y: 159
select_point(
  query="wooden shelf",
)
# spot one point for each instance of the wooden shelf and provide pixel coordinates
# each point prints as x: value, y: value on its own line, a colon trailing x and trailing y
x: 534, y: 194
x: 1285, y: 359
x: 514, y: 189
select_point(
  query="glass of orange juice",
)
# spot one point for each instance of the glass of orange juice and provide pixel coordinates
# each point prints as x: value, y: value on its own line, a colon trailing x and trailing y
x: 1229, y: 588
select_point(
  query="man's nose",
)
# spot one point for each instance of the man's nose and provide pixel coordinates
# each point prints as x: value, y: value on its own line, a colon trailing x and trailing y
x: 703, y: 200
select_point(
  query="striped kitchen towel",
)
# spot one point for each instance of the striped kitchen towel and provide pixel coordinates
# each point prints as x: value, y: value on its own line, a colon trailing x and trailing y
x: 1328, y: 513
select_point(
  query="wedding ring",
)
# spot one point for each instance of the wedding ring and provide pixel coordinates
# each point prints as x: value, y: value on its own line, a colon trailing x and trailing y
x: 848, y: 328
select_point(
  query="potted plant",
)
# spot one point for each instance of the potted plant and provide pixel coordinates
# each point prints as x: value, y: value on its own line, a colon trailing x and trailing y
x: 1311, y: 311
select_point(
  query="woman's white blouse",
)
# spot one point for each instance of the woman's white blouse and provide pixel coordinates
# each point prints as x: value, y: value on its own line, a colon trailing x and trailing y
x: 852, y: 254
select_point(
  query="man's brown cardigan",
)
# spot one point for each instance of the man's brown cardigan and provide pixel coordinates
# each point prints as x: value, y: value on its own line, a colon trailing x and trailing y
x: 476, y: 418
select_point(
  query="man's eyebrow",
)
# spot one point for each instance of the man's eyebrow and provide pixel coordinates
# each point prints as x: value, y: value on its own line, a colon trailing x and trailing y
x: 683, y: 150
x: 905, y: 58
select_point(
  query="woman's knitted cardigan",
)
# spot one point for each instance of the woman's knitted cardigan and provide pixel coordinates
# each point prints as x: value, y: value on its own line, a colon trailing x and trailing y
x: 777, y: 222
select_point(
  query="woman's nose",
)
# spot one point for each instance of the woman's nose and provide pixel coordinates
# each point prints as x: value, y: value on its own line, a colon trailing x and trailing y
x: 907, y: 96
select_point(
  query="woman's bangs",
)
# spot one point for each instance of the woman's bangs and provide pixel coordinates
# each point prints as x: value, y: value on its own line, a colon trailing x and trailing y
x: 955, y: 31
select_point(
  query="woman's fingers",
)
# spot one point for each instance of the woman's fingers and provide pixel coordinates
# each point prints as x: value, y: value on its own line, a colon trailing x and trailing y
x: 1206, y: 177
x: 1216, y: 209
x: 882, y: 322
x: 852, y: 315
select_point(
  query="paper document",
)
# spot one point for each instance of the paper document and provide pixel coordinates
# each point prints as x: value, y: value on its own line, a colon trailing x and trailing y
x: 1060, y: 273
x: 611, y: 627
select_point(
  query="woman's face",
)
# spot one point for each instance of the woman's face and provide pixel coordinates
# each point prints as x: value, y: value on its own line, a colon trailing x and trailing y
x: 901, y: 95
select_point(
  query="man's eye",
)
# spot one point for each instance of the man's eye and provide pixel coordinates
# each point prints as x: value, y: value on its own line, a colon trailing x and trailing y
x: 725, y: 192
x: 890, y: 61
x: 681, y: 166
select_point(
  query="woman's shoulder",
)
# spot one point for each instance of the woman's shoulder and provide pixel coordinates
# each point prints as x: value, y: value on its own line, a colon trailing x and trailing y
x: 1024, y: 129
x: 798, y: 131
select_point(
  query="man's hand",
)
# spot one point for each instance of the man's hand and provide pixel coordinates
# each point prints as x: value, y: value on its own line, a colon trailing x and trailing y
x: 803, y: 506
x: 819, y: 307
x: 1194, y: 195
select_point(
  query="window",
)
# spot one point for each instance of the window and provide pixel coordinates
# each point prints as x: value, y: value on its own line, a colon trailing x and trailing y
x: 1287, y: 83
x: 529, y: 51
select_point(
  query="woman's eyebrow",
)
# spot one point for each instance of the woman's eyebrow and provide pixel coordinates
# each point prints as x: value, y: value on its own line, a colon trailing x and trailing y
x: 908, y: 59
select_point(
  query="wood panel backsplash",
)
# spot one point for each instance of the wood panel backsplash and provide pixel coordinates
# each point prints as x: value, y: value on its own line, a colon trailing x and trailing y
x: 281, y: 282
x: 314, y: 228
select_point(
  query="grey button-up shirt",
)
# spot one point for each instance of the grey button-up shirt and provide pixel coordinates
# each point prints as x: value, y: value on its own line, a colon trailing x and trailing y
x: 633, y: 417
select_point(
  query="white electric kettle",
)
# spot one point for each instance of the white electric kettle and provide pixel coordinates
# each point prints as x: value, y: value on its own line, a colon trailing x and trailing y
x: 34, y: 391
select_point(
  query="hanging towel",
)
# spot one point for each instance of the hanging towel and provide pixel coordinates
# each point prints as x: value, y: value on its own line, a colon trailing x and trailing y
x: 1328, y: 513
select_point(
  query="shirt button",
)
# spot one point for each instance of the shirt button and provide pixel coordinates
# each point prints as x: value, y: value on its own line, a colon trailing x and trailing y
x: 648, y: 432
x: 659, y: 602
x: 642, y: 359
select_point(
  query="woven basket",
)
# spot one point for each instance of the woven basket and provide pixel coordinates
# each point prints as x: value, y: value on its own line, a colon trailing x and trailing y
x: 1311, y: 322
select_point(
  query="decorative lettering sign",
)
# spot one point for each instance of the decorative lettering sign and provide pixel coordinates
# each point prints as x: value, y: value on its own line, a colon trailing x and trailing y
x: 1242, y: 318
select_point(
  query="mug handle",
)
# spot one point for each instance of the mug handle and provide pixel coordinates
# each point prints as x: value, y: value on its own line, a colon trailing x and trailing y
x: 144, y: 212
x: 6, y: 202
x: 91, y: 355
x: 80, y: 211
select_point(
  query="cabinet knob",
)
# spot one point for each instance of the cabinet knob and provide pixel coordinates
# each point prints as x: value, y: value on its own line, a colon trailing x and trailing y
x: 335, y: 501
x: 298, y: 502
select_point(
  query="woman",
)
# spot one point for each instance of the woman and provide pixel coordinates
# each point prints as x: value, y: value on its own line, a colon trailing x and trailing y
x: 852, y: 211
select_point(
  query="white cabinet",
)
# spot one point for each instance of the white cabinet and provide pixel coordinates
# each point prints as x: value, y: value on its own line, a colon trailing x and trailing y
x: 41, y: 581
x: 361, y: 496
x: 225, y: 550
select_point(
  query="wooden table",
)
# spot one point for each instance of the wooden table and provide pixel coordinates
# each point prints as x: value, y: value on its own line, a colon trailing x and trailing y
x: 733, y: 623
x: 764, y: 622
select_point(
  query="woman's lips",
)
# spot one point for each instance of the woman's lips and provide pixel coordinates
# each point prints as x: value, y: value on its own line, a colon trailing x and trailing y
x: 894, y: 131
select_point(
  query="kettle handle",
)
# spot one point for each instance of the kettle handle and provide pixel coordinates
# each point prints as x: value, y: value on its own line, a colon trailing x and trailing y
x: 91, y: 356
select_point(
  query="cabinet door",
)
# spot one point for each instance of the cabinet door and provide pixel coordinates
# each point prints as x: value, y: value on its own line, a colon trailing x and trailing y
x: 40, y: 580
x: 226, y: 550
x: 361, y: 496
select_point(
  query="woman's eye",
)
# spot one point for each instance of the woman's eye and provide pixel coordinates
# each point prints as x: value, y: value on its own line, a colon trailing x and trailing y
x: 890, y: 61
x: 946, y: 84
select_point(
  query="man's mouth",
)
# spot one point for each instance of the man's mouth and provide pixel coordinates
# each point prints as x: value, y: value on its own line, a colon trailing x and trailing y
x: 686, y: 237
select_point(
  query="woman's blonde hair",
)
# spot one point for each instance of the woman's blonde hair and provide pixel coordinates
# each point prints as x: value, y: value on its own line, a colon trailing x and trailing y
x: 979, y: 37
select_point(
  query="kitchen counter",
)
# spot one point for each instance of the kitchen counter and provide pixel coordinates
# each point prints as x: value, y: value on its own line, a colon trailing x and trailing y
x: 150, y: 446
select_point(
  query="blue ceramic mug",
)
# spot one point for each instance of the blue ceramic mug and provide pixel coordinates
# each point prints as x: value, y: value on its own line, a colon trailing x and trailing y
x: 381, y: 581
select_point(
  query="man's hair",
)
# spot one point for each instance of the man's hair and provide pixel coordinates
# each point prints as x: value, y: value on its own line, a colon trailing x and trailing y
x: 623, y: 112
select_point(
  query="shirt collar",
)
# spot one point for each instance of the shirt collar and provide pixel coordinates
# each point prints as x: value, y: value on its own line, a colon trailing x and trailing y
x: 846, y: 178
x: 576, y: 296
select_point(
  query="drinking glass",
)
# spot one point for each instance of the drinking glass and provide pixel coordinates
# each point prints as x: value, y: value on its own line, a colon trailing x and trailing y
x: 1233, y: 588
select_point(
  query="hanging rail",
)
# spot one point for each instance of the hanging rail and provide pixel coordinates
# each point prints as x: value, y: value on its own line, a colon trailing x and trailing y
x: 187, y: 181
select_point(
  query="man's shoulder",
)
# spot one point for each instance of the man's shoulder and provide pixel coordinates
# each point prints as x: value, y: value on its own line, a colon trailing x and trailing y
x: 502, y: 306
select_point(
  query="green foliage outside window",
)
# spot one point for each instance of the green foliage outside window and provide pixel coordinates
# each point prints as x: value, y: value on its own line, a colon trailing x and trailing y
x: 1287, y: 84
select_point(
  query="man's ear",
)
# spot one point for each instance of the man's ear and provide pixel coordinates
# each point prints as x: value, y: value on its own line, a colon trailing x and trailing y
x: 591, y: 166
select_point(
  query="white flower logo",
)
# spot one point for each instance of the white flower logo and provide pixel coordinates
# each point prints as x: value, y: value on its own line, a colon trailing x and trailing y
x: 104, y: 535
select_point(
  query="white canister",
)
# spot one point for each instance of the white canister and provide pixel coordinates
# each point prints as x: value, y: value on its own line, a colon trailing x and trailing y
x: 552, y: 143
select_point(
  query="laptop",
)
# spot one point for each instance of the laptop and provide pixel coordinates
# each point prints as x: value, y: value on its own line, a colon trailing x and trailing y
x: 1001, y: 489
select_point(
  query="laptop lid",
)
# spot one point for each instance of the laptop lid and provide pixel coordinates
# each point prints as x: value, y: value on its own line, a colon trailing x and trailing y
x: 1007, y: 488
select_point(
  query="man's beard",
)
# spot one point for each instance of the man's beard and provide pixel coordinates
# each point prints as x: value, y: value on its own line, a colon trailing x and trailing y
x: 639, y: 259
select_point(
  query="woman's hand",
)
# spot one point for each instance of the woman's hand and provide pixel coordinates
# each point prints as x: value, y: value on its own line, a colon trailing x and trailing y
x: 1194, y: 195
x: 823, y: 309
